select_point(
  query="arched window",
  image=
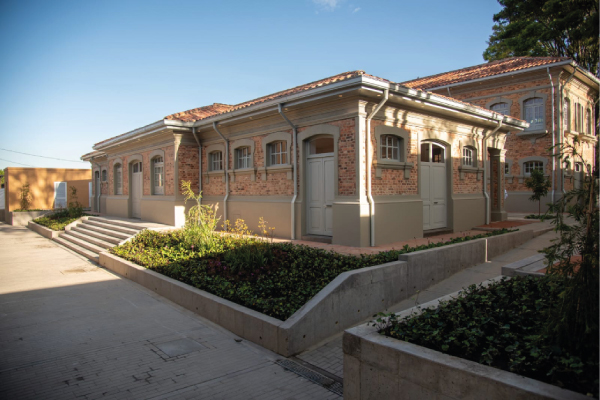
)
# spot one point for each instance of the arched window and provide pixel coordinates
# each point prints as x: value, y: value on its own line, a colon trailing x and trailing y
x: 391, y: 148
x: 216, y: 161
x: 532, y: 165
x: 104, y: 175
x: 158, y: 172
x: 118, y: 175
x: 468, y: 157
x: 243, y: 158
x: 501, y: 108
x: 588, y: 122
x: 277, y: 153
x: 534, y: 112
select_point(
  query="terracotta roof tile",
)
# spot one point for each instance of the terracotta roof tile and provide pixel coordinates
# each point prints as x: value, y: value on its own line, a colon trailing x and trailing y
x: 201, y: 113
x: 481, y: 71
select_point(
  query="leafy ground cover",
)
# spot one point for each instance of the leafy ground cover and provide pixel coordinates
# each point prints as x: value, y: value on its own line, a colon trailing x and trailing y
x: 503, y: 325
x: 542, y: 217
x: 56, y: 221
x: 275, y: 279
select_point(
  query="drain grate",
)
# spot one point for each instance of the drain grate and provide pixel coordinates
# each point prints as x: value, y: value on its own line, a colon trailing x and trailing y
x: 315, y: 377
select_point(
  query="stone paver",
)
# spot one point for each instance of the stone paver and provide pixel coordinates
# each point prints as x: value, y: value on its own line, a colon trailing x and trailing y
x: 69, y: 329
x: 328, y: 355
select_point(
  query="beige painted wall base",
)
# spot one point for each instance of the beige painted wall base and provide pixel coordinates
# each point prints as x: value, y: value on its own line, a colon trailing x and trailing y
x: 468, y: 211
x: 499, y: 216
x: 519, y: 202
x: 118, y: 207
x: 398, y: 218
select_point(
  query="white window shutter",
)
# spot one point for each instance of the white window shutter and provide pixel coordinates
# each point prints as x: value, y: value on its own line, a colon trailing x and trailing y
x: 60, y: 194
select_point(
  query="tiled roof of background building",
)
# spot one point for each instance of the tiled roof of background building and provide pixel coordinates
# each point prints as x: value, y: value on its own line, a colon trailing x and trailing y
x: 481, y: 71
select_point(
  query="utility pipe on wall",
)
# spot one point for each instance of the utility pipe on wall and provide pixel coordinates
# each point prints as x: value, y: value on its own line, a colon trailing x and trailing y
x: 485, y: 171
x: 369, y: 160
x: 553, y: 135
x: 199, y: 161
x: 561, y: 129
x: 294, y: 169
x: 226, y: 170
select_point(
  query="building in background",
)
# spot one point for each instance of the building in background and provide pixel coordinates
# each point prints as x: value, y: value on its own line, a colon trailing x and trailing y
x: 554, y: 95
x: 49, y: 188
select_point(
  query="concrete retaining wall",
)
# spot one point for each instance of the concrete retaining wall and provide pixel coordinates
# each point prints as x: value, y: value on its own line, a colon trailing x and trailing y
x: 42, y: 230
x: 23, y: 218
x: 352, y: 297
x: 379, y: 367
x: 526, y: 267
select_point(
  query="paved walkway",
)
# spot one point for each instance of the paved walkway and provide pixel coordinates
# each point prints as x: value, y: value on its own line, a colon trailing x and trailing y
x: 69, y: 329
x: 328, y: 355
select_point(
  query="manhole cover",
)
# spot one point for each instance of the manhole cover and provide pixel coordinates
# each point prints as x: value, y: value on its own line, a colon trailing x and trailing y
x: 179, y: 347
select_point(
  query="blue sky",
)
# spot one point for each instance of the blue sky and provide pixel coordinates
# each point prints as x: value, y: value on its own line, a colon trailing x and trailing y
x: 73, y: 73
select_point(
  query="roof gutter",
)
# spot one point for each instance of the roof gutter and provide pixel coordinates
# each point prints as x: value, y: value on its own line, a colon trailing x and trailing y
x: 226, y: 172
x: 553, y: 134
x: 369, y: 161
x: 294, y: 169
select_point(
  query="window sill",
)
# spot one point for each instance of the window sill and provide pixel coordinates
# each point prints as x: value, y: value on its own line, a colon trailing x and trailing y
x: 522, y: 178
x: 276, y: 169
x: 242, y: 171
x: 385, y: 164
x: 533, y: 133
x: 508, y: 178
x: 469, y: 170
x: 216, y: 173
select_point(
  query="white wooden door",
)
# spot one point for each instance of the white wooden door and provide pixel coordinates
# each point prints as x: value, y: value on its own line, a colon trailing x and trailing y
x: 60, y: 194
x: 434, y: 186
x: 320, y: 194
x: 136, y: 190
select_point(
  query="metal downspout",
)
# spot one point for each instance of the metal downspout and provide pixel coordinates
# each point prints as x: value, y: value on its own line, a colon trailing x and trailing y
x: 485, y: 172
x: 226, y: 170
x: 553, y: 134
x: 199, y: 161
x: 369, y: 162
x: 561, y: 129
x: 294, y: 169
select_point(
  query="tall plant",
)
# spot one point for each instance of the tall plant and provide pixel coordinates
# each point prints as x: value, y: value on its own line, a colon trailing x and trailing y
x: 200, y: 221
x: 25, y: 197
x: 539, y: 185
x: 75, y: 208
x: 574, y: 258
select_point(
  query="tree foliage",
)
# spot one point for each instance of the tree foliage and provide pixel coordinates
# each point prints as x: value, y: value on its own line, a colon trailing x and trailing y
x: 539, y: 185
x: 574, y: 322
x: 558, y: 28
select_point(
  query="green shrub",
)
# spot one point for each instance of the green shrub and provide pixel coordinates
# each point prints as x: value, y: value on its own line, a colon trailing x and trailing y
x: 56, y: 221
x: 74, y: 208
x: 275, y: 279
x: 502, y: 325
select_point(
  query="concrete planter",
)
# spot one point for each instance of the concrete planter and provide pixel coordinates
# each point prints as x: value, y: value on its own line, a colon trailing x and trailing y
x: 351, y: 298
x: 49, y: 233
x: 376, y: 366
x: 23, y: 218
x: 526, y: 267
x: 42, y: 230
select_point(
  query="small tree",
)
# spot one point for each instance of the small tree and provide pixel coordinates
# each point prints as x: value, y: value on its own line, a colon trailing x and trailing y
x: 25, y: 197
x: 539, y: 185
x: 74, y: 208
x: 200, y: 220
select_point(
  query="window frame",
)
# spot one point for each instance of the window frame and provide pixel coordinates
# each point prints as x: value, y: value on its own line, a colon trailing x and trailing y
x: 248, y: 168
x: 104, y: 175
x: 158, y: 190
x: 391, y: 143
x: 532, y: 108
x: 537, y: 129
x: 468, y: 160
x: 273, y: 152
x: 243, y: 157
x: 566, y: 114
x: 500, y: 112
x: 212, y: 161
x: 379, y: 162
x: 118, y: 177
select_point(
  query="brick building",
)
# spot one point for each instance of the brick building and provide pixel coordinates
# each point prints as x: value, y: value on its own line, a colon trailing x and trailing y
x: 558, y: 99
x: 353, y: 157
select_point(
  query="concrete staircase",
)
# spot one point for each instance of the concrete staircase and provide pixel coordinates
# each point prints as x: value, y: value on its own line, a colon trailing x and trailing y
x: 95, y: 234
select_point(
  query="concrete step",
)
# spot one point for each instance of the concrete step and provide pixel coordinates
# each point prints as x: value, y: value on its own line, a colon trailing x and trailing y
x: 112, y: 227
x: 90, y: 239
x: 81, y: 243
x: 77, y: 249
x: 109, y: 236
x: 107, y: 232
x: 118, y: 222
